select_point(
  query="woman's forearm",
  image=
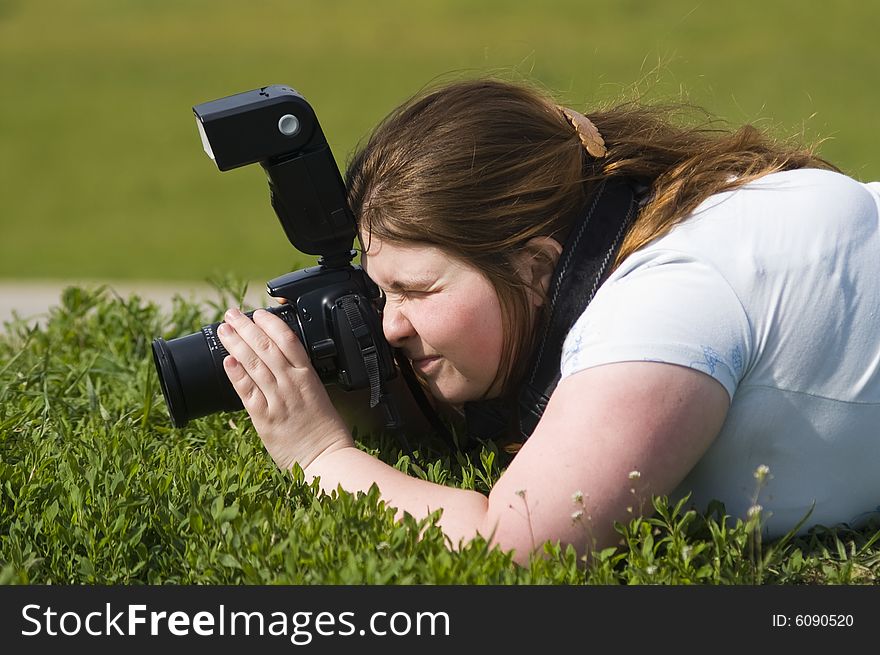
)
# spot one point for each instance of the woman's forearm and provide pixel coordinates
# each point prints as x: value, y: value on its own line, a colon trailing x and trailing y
x: 465, y: 512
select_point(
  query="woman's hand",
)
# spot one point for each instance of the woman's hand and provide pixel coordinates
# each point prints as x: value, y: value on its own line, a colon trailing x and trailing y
x: 286, y: 400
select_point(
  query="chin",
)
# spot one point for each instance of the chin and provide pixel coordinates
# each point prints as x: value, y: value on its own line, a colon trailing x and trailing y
x: 455, y: 394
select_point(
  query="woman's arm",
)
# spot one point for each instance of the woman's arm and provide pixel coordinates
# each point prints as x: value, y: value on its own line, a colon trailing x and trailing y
x: 612, y: 436
x: 570, y: 481
x: 607, y: 431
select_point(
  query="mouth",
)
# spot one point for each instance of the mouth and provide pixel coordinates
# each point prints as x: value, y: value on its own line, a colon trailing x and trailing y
x: 426, y: 364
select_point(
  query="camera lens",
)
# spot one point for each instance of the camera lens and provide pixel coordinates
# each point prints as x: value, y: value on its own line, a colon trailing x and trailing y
x: 191, y: 371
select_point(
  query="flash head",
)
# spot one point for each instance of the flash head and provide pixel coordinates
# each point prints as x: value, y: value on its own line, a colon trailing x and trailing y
x: 275, y: 126
x: 255, y: 126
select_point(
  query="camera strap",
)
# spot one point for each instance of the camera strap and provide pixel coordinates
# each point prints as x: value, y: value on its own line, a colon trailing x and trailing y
x: 369, y: 353
x: 421, y: 399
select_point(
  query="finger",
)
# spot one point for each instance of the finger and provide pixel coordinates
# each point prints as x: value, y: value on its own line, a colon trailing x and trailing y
x: 261, y: 344
x: 284, y: 337
x: 251, y: 397
x: 236, y: 346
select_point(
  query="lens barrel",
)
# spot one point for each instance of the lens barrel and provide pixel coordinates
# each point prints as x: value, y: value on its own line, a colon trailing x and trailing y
x: 191, y: 371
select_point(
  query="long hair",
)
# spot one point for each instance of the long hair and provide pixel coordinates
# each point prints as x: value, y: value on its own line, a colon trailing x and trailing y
x: 479, y: 167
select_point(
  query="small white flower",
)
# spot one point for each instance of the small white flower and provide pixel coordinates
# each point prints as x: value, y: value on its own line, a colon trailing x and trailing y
x: 634, y: 475
x: 762, y: 472
x: 577, y: 497
x: 754, y: 510
x: 651, y: 570
x: 576, y: 516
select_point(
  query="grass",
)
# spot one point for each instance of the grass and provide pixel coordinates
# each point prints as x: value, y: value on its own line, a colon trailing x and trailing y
x: 103, y: 175
x: 96, y: 486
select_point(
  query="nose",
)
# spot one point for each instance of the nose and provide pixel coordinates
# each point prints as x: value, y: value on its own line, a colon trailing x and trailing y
x: 396, y: 325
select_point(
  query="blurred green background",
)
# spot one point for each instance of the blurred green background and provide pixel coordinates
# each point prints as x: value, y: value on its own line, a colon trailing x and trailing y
x: 102, y: 174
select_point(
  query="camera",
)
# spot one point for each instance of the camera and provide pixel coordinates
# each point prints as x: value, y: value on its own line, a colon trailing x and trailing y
x: 330, y: 307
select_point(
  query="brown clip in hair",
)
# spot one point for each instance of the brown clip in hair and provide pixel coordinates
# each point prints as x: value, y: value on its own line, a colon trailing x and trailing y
x: 586, y: 131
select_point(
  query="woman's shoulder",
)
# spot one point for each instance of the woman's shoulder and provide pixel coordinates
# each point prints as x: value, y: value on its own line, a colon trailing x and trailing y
x: 804, y: 180
x: 708, y: 294
x: 806, y: 190
x: 772, y: 220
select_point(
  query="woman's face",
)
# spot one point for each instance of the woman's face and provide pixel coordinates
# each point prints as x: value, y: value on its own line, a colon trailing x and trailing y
x: 443, y: 314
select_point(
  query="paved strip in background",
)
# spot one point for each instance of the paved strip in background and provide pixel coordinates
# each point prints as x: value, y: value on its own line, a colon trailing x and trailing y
x: 32, y: 300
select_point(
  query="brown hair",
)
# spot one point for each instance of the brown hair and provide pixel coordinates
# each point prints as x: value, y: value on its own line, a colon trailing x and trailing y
x: 479, y: 167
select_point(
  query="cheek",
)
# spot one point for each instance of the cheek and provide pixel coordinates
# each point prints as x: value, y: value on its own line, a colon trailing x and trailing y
x: 475, y: 334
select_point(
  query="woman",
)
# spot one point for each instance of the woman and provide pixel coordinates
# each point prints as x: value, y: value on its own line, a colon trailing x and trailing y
x: 736, y: 336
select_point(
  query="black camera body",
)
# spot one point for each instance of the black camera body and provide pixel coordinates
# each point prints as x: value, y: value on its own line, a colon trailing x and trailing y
x: 332, y: 306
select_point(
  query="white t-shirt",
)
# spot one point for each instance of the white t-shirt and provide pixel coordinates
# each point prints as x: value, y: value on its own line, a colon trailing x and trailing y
x: 773, y: 289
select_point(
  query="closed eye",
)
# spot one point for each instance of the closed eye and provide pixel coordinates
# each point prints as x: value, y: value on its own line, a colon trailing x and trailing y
x: 400, y: 293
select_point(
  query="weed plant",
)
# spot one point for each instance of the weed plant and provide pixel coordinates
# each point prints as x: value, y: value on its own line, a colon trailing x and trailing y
x: 96, y: 486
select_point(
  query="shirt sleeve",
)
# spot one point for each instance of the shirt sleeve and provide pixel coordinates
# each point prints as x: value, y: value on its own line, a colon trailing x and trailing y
x: 669, y: 308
